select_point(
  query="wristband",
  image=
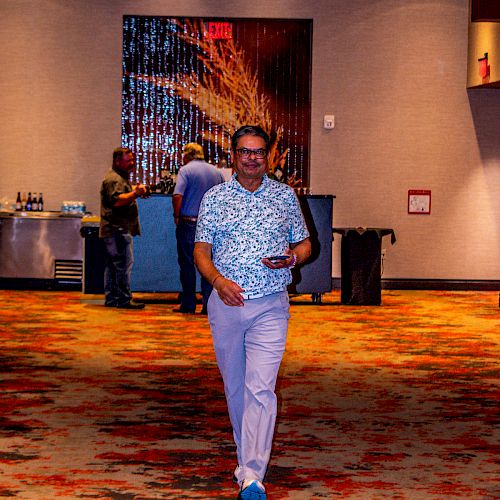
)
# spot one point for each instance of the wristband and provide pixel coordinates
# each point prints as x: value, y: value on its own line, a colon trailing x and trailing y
x: 294, y: 261
x: 216, y: 278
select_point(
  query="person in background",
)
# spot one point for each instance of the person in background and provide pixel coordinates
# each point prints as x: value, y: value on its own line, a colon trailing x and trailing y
x: 194, y: 179
x: 119, y: 223
x: 242, y: 225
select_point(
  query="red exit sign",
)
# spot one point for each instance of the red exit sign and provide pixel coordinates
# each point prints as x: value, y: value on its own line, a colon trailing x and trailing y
x: 219, y: 31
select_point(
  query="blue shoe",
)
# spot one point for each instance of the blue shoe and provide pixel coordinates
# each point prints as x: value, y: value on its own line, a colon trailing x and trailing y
x: 254, y: 491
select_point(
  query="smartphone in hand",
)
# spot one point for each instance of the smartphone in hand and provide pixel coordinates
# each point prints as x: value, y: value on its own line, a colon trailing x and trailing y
x: 277, y: 258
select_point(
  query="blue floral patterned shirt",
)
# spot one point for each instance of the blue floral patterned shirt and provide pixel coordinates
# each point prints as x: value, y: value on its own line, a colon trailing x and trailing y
x: 243, y: 227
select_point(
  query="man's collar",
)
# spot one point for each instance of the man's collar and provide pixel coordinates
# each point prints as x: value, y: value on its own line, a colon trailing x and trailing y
x: 121, y: 173
x: 236, y: 185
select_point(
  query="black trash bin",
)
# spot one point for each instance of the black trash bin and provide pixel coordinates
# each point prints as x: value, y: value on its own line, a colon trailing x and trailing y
x: 94, y: 259
x: 360, y: 263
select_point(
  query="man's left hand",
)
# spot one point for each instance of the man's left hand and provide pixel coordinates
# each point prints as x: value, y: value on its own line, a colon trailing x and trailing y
x: 280, y: 264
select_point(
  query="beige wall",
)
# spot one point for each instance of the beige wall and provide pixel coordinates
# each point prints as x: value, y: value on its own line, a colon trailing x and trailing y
x: 393, y: 73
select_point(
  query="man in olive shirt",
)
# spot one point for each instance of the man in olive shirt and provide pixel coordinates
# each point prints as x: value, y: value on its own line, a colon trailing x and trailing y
x: 119, y: 223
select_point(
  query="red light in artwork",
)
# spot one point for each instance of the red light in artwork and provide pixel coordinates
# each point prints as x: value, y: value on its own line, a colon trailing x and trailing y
x: 219, y: 31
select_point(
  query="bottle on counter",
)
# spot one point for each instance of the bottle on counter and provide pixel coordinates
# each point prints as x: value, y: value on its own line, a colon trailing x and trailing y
x: 18, y: 201
x: 40, y: 203
x: 29, y: 203
x: 34, y: 203
x: 23, y: 202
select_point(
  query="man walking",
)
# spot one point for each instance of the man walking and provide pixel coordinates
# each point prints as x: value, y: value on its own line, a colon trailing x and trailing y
x: 194, y: 179
x: 242, y: 224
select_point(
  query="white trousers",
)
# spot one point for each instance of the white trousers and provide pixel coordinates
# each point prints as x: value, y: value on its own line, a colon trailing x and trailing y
x: 249, y: 343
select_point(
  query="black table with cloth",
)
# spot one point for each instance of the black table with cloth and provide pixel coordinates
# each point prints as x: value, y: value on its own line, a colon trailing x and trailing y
x: 360, y: 263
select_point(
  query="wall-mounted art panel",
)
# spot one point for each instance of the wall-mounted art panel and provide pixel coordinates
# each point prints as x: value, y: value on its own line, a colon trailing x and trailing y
x: 198, y: 80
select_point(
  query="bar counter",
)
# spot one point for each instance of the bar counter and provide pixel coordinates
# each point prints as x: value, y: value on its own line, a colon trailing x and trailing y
x: 155, y: 252
x: 48, y: 248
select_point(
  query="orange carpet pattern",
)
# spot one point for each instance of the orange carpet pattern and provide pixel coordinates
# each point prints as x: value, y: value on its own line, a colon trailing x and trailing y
x: 396, y: 401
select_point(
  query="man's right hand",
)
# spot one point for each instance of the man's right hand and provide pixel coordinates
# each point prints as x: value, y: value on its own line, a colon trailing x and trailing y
x: 129, y: 197
x: 140, y: 190
x: 229, y: 292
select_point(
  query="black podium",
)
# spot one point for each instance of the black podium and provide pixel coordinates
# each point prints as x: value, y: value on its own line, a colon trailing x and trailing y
x: 315, y: 276
x: 360, y: 259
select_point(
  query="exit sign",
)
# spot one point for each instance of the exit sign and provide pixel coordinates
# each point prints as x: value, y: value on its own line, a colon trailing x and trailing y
x: 219, y: 30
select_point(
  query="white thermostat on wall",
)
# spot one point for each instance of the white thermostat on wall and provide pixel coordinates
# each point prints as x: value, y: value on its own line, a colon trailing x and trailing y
x: 329, y: 121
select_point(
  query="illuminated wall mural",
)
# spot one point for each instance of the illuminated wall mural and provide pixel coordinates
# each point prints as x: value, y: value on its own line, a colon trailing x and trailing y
x: 198, y: 80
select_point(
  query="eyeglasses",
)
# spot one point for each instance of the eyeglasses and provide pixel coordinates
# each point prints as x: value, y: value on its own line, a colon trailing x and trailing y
x: 246, y: 153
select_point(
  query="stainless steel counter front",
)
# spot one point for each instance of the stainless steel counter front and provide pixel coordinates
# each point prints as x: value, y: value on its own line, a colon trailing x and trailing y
x: 40, y: 245
x: 36, y: 215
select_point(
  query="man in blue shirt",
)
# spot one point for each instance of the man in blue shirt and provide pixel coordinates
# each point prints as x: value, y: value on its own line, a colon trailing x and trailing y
x: 194, y: 179
x: 241, y: 225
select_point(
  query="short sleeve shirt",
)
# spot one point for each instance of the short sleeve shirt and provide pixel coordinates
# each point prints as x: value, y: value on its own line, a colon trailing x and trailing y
x: 117, y: 219
x: 244, y: 227
x: 193, y: 181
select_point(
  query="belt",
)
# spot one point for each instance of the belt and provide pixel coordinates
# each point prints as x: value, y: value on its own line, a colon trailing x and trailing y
x: 190, y: 219
x: 249, y: 296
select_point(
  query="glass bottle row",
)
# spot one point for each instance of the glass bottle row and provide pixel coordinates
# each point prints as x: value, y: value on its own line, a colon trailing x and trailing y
x: 30, y: 203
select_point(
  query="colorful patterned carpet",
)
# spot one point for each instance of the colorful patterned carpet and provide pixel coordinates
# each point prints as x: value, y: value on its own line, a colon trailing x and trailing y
x: 397, y: 401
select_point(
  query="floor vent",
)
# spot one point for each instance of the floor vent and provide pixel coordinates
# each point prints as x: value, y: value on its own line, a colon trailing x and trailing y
x: 69, y: 271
